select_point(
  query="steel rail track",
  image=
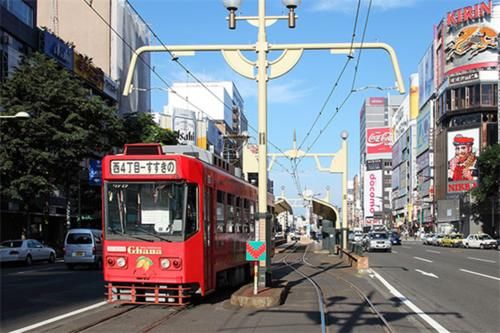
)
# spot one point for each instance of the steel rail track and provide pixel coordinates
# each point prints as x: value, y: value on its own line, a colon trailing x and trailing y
x: 360, y: 293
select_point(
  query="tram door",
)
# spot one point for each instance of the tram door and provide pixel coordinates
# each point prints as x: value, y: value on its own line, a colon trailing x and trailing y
x: 209, y: 218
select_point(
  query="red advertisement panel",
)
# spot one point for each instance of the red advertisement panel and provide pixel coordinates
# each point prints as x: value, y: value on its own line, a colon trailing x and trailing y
x: 378, y: 140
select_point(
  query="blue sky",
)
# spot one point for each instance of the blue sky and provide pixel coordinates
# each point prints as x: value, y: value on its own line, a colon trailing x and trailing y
x: 296, y: 98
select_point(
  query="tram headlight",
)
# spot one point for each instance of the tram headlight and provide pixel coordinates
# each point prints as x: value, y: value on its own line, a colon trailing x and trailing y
x: 121, y: 262
x: 164, y: 263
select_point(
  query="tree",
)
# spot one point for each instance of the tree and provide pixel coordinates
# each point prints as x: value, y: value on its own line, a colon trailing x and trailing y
x: 140, y: 127
x: 67, y: 125
x: 489, y: 171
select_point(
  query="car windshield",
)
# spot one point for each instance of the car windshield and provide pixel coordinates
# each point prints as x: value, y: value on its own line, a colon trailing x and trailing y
x: 483, y: 237
x: 150, y: 211
x: 12, y: 243
x: 378, y: 236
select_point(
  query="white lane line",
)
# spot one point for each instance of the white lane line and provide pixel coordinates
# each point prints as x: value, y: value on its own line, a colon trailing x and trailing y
x: 485, y: 260
x: 51, y: 320
x: 432, y: 251
x: 426, y: 260
x: 475, y: 273
x: 36, y: 270
x: 427, y: 274
x: 409, y: 304
x: 394, y: 251
x: 406, y: 247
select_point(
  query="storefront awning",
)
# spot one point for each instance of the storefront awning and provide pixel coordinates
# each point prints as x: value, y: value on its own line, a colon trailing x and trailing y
x: 326, y: 211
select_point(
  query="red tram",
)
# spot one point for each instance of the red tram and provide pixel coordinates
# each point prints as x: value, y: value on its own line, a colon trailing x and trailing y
x: 174, y: 225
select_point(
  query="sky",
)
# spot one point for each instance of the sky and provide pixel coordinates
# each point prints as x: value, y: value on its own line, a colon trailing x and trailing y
x: 296, y: 99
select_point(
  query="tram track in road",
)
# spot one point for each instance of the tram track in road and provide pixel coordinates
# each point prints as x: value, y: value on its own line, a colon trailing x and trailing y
x: 150, y: 324
x: 323, y: 306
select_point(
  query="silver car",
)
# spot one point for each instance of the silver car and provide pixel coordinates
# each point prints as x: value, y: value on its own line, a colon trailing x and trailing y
x: 378, y: 241
x: 26, y: 250
x: 83, y: 246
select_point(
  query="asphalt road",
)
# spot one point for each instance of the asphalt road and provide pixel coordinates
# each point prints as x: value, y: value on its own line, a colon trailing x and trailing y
x: 458, y: 288
x: 36, y: 293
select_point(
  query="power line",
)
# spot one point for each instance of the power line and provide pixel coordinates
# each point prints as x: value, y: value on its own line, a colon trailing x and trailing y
x: 160, y: 77
x: 338, y: 108
x: 341, y: 74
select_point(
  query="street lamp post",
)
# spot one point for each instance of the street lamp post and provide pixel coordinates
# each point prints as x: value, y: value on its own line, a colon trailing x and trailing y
x: 265, y: 71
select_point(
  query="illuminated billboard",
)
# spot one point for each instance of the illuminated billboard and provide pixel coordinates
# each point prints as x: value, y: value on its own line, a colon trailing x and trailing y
x: 373, y: 192
x: 463, y: 150
x: 471, y: 40
x: 379, y: 140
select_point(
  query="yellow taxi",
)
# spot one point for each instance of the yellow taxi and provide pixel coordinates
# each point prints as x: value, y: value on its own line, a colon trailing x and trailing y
x: 453, y: 240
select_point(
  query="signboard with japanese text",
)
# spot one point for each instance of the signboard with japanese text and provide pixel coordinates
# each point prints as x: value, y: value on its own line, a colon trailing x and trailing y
x: 143, y: 167
x: 57, y: 49
x: 84, y: 68
x: 95, y: 172
x: 423, y: 130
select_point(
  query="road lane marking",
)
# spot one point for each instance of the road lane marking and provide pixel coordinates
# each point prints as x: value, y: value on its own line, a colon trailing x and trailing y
x: 488, y: 276
x: 427, y: 274
x: 51, y: 320
x: 406, y: 247
x: 394, y: 251
x: 432, y: 251
x: 409, y: 304
x: 485, y: 260
x: 426, y: 260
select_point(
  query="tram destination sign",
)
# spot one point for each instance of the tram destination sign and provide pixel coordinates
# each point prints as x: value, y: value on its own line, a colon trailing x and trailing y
x: 143, y: 167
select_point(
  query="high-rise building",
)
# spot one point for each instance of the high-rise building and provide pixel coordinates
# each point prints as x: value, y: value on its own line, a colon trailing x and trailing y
x: 105, y: 41
x: 375, y: 162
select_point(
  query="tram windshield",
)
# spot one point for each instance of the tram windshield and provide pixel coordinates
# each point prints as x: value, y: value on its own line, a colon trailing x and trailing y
x: 150, y: 211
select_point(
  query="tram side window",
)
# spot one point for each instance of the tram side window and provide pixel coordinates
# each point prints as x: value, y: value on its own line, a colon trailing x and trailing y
x: 221, y: 226
x: 230, y: 213
x: 246, y: 216
x: 238, y: 220
x: 191, y: 209
x: 252, y: 216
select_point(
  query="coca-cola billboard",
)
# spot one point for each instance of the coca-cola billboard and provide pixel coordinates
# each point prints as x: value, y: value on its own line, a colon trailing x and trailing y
x: 378, y: 140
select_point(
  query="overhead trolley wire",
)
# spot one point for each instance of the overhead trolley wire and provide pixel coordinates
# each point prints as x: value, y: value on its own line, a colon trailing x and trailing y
x: 169, y: 86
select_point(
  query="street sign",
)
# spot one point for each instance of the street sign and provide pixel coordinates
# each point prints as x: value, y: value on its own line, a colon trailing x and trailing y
x: 95, y: 172
x: 256, y: 251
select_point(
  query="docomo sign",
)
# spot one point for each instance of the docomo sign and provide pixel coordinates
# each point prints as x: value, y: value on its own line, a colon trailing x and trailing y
x: 378, y: 140
x: 373, y: 192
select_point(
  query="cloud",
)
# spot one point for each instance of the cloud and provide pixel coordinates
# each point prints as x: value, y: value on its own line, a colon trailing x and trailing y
x: 348, y: 5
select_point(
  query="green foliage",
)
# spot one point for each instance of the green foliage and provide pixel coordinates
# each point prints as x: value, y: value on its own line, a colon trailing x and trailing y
x: 141, y: 128
x: 67, y: 125
x: 489, y: 174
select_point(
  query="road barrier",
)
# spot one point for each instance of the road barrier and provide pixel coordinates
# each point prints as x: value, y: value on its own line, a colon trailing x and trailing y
x: 359, y: 262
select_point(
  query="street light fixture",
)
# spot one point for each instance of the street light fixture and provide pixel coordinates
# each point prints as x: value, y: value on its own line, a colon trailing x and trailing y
x: 21, y: 115
x: 291, y: 5
x: 232, y: 6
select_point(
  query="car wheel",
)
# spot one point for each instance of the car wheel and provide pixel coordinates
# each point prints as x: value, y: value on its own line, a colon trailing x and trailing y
x: 52, y: 258
x: 28, y: 261
x: 481, y: 246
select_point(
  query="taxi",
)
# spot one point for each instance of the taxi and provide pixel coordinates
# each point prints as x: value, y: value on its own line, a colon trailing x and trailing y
x: 453, y: 240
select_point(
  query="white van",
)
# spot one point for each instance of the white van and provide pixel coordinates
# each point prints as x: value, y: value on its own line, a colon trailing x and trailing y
x: 83, y: 246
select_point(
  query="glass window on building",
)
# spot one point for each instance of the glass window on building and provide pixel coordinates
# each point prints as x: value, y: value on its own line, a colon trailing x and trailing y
x: 20, y: 10
x: 11, y: 52
x: 487, y: 92
x: 477, y: 95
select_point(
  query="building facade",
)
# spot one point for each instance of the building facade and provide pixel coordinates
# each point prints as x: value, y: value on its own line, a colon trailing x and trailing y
x: 105, y: 41
x: 466, y: 111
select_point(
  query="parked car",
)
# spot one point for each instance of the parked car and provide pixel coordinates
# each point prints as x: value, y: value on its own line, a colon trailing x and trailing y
x: 294, y: 236
x: 436, y: 239
x: 26, y: 250
x: 427, y: 238
x: 83, y: 246
x: 480, y: 241
x: 453, y: 240
x: 378, y: 241
x: 395, y: 239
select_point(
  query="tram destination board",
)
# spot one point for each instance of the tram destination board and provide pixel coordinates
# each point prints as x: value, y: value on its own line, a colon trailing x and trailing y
x: 143, y: 167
